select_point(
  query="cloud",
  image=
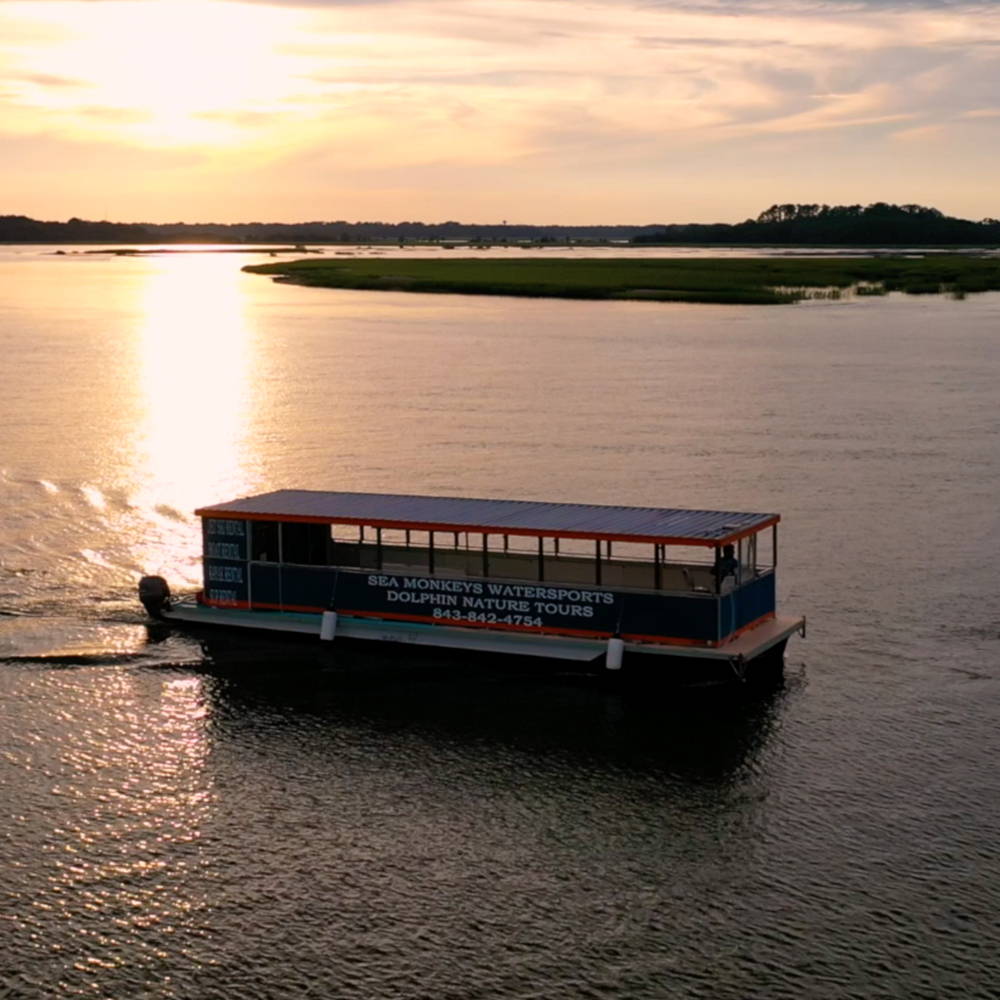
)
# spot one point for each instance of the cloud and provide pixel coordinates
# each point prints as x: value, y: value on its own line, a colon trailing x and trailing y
x: 242, y: 119
x: 524, y: 92
x: 45, y: 155
x: 112, y: 115
x: 47, y: 80
x: 706, y: 6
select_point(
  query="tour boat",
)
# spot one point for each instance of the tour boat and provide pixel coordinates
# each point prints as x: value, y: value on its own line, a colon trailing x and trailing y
x: 679, y: 594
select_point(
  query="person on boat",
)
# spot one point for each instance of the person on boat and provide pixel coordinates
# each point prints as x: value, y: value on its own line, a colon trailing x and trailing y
x: 726, y: 565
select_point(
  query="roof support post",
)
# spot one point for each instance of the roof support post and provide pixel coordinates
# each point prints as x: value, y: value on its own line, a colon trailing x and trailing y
x: 378, y: 548
x: 486, y: 554
x: 281, y: 566
x: 597, y: 562
x: 541, y: 558
x: 657, y: 572
x: 430, y: 552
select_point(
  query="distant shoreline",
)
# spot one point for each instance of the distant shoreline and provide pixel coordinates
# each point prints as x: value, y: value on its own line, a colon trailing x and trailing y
x: 142, y: 251
x: 139, y: 247
x: 878, y: 225
x: 743, y: 281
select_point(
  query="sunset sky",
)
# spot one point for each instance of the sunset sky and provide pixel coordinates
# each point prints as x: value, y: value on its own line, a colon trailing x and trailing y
x: 546, y: 111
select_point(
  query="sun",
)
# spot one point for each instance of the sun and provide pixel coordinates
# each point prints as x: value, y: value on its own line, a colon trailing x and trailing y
x: 169, y: 72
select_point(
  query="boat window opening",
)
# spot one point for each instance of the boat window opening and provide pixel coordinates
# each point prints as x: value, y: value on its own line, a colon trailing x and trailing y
x: 591, y: 562
x: 684, y: 568
x: 418, y: 554
x: 689, y: 555
x: 764, y: 542
x: 305, y: 544
x: 498, y: 543
x: 393, y: 538
x: 574, y: 548
x: 344, y: 546
x: 475, y: 554
x: 264, y: 540
x: 583, y: 562
x: 350, y: 533
x: 629, y: 551
x: 395, y: 552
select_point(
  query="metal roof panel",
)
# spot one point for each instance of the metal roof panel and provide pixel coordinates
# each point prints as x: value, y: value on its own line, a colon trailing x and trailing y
x: 516, y: 517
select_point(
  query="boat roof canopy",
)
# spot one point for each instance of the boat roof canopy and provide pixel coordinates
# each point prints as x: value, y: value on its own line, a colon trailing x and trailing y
x: 657, y: 525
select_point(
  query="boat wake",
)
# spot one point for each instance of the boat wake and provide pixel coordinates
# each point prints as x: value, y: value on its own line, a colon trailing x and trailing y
x: 72, y: 642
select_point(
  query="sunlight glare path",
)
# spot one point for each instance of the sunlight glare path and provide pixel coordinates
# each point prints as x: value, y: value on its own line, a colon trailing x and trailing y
x: 195, y: 366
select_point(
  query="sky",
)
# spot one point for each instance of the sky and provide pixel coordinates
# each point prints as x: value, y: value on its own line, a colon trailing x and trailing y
x: 540, y: 111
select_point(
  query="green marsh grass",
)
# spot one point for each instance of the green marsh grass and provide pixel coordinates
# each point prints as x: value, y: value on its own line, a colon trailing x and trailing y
x: 753, y: 281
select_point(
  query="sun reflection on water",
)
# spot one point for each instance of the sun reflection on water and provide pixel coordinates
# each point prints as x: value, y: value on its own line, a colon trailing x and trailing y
x: 194, y: 366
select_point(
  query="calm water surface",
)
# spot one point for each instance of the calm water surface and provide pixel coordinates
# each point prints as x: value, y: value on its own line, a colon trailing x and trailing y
x: 286, y: 823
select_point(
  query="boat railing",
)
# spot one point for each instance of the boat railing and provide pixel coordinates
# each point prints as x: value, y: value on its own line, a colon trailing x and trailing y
x: 618, y: 573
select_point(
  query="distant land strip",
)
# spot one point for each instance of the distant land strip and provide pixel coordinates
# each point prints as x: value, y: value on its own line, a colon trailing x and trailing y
x: 748, y: 281
x: 876, y: 225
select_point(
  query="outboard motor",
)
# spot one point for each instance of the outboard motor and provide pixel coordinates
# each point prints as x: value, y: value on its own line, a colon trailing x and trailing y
x: 155, y: 595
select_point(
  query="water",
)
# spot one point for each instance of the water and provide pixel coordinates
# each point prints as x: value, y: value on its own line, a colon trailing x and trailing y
x: 286, y: 823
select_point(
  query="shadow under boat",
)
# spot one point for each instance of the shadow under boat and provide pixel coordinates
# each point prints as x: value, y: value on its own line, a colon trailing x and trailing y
x: 698, y: 733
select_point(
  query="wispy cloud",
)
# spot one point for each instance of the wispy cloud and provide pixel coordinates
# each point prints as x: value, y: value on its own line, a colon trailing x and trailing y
x: 48, y: 80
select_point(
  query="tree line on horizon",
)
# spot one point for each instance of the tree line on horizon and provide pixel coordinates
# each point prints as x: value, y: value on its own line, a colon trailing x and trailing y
x: 878, y: 224
x: 855, y: 225
x: 22, y: 229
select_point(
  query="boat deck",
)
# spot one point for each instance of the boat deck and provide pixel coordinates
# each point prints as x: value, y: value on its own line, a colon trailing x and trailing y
x: 751, y: 643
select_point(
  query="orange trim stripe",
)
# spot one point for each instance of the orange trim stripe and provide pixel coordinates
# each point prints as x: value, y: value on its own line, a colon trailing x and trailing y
x: 766, y: 617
